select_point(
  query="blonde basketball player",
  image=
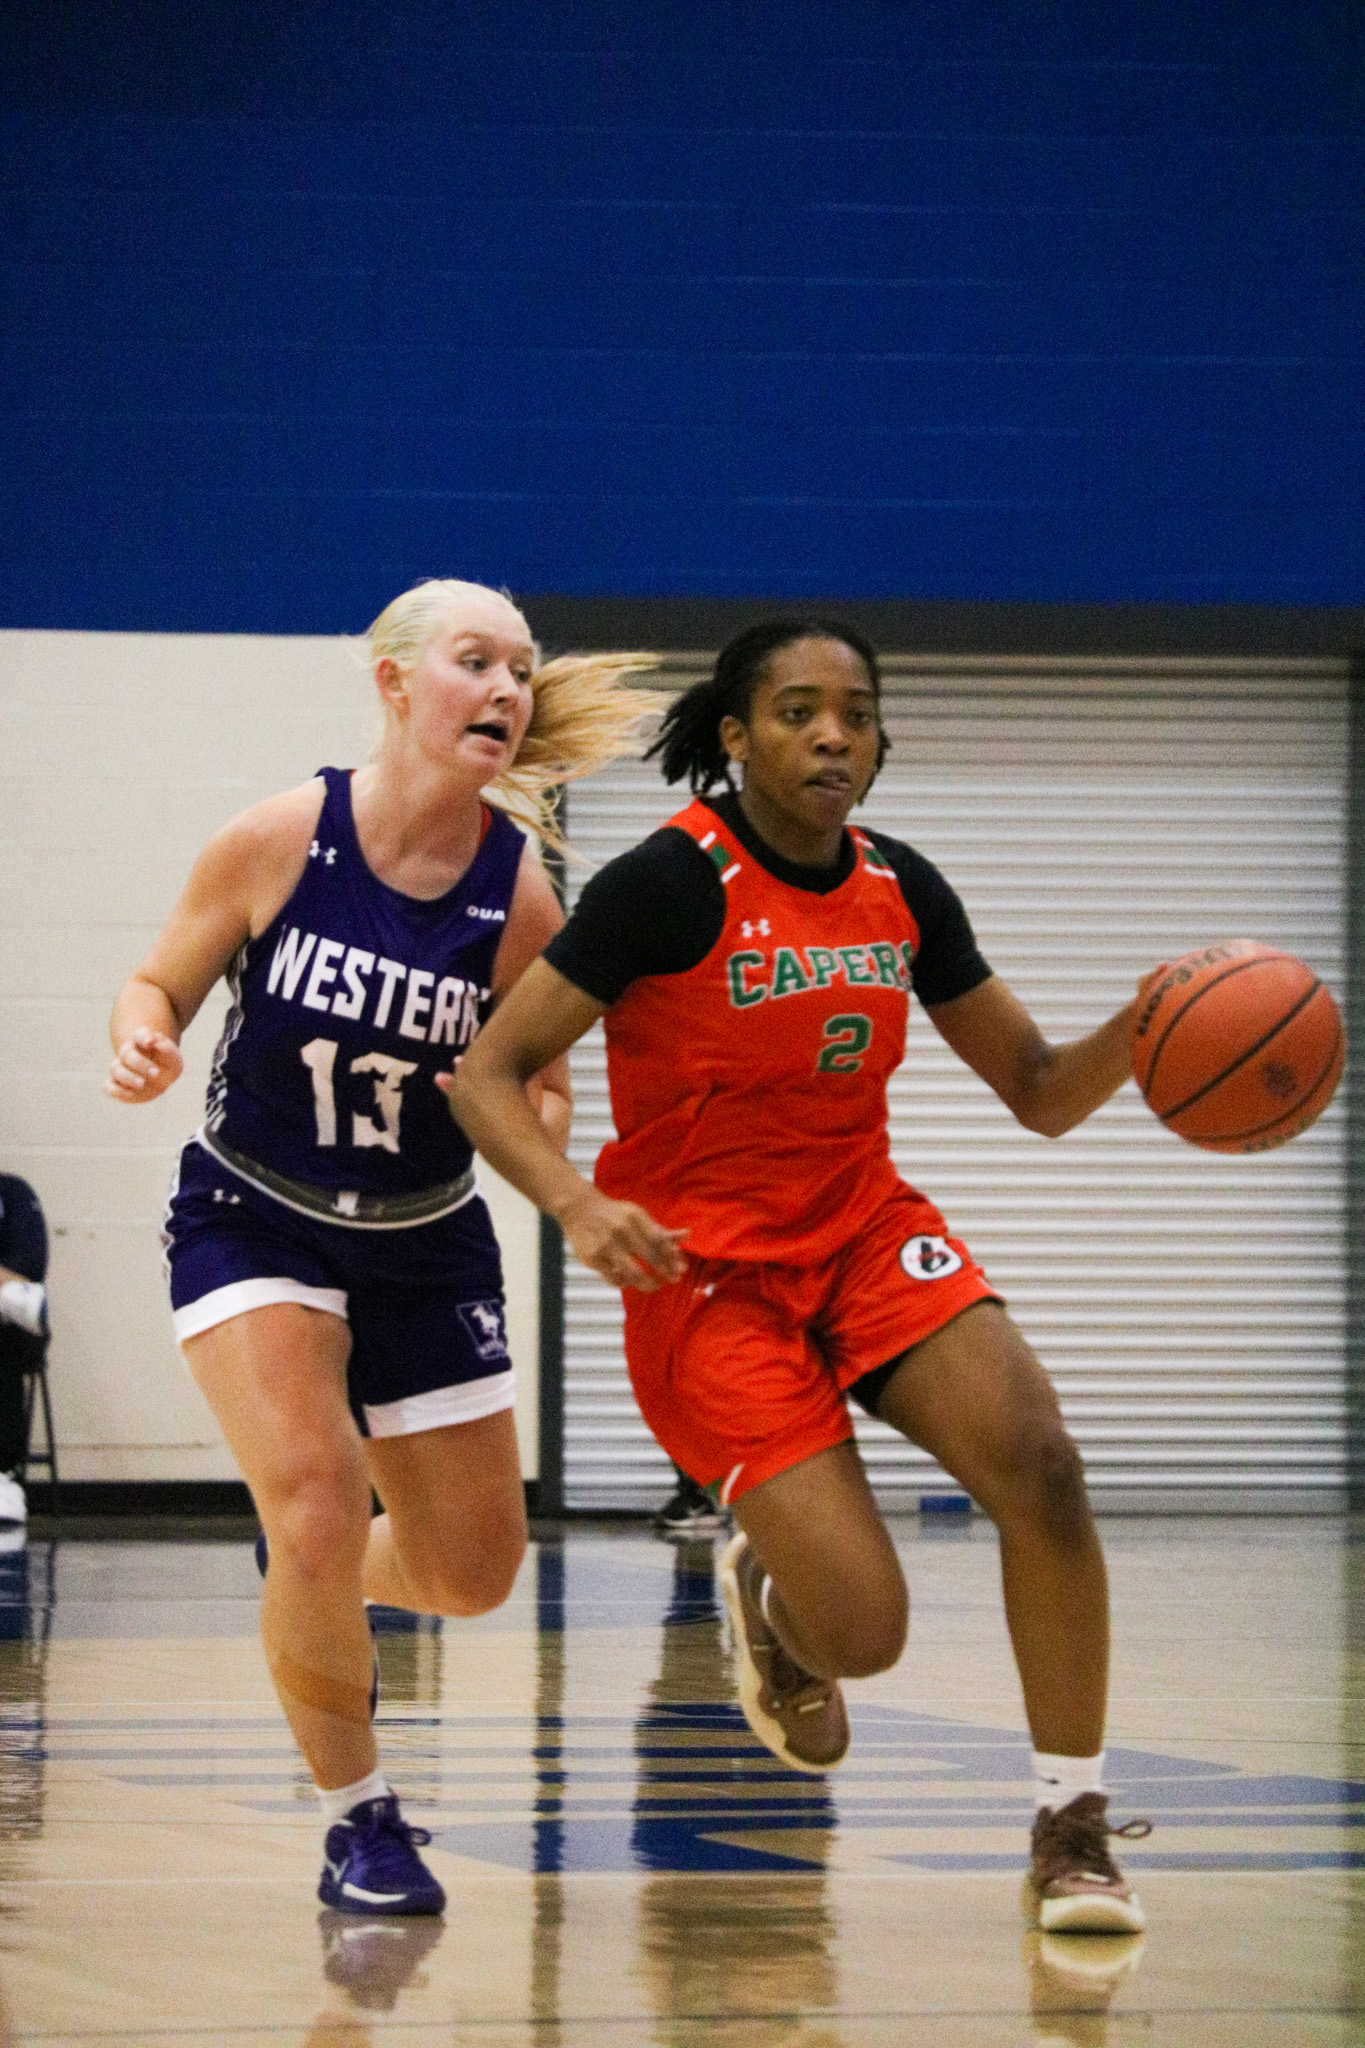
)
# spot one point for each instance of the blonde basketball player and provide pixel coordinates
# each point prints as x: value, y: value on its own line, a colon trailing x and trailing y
x: 334, y: 1276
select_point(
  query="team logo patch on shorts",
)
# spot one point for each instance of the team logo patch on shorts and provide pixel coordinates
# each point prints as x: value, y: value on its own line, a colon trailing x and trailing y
x: 483, y: 1320
x: 929, y: 1258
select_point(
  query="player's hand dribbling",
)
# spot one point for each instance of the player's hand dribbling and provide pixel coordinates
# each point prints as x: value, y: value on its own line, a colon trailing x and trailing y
x: 623, y: 1242
x: 144, y: 1067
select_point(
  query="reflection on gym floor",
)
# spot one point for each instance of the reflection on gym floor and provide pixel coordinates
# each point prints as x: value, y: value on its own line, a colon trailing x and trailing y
x: 626, y: 1865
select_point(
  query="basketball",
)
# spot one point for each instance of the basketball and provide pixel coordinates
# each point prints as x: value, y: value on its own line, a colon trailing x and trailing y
x: 1238, y: 1048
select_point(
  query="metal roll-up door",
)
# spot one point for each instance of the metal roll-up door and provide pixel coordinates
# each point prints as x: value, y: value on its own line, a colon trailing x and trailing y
x: 1096, y: 817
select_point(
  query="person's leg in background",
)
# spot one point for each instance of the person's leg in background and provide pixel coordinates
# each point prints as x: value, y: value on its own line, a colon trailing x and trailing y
x: 23, y: 1318
x: 14, y: 1345
x: 689, y: 1510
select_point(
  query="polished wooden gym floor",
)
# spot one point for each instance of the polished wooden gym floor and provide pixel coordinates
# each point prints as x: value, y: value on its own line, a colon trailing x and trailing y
x: 626, y: 1866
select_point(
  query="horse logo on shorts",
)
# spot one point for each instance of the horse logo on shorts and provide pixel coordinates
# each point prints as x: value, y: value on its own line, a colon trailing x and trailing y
x: 929, y: 1258
x: 483, y: 1320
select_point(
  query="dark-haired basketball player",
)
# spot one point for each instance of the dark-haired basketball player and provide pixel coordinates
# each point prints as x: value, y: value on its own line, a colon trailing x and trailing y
x: 754, y: 960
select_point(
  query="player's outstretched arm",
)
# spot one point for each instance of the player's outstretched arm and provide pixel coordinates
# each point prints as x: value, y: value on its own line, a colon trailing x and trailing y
x: 541, y: 1016
x: 1049, y: 1088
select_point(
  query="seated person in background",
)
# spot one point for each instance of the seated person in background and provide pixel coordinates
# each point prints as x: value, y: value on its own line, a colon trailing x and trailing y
x: 23, y: 1315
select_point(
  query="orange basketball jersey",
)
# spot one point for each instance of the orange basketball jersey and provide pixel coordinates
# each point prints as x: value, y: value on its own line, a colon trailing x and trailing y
x: 749, y: 1093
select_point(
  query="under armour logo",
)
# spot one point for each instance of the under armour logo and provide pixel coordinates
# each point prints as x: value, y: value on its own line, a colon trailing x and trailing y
x: 753, y: 931
x: 329, y: 854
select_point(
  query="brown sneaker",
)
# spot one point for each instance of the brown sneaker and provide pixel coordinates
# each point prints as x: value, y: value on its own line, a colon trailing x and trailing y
x: 1077, y: 1884
x: 796, y: 1715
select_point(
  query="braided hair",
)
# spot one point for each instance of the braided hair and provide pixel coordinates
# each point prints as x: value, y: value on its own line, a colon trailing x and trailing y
x: 689, y: 741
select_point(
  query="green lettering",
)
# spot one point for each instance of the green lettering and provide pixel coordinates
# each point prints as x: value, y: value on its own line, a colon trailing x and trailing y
x: 885, y: 957
x: 823, y: 965
x: 855, y: 963
x: 788, y: 975
x: 907, y: 960
x: 740, y: 994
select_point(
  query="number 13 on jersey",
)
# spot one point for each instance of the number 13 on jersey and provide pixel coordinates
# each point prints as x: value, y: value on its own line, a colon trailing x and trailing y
x: 319, y: 1056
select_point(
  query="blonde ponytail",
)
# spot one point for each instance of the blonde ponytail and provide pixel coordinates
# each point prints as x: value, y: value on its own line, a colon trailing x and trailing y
x: 585, y: 714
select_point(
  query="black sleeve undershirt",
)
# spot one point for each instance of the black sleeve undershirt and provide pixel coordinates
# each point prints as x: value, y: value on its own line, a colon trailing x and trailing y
x: 660, y: 908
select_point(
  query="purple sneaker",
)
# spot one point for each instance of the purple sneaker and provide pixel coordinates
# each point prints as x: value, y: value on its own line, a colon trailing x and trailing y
x: 263, y: 1566
x: 371, y: 1865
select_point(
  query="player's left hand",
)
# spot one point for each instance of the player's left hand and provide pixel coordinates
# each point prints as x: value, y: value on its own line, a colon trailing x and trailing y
x: 1146, y: 981
x: 144, y: 1067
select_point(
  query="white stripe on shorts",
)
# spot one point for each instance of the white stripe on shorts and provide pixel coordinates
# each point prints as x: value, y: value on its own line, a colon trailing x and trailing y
x: 468, y: 1402
x: 225, y: 1302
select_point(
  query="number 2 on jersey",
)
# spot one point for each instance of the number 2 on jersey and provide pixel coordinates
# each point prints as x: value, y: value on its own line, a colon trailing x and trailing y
x: 319, y: 1056
x: 848, y: 1039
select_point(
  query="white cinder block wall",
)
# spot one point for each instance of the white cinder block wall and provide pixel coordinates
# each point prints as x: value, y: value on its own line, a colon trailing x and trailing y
x: 119, y: 754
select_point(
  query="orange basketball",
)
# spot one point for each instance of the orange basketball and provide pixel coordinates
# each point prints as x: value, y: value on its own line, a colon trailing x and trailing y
x: 1238, y: 1048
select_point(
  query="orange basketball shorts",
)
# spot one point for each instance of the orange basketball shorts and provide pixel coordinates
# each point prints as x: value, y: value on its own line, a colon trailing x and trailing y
x: 740, y: 1368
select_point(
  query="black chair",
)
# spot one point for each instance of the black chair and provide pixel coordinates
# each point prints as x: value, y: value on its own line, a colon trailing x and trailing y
x: 23, y: 1250
x: 32, y: 1363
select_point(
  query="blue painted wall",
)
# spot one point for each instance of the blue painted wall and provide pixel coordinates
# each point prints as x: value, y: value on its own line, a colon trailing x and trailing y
x: 953, y: 300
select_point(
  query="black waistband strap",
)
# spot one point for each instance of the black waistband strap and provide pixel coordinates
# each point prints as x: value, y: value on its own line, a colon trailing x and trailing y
x: 343, y: 1205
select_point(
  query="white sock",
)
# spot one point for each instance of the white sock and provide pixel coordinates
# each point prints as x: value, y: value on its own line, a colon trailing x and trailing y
x: 336, y: 1805
x: 22, y: 1302
x: 1057, y: 1780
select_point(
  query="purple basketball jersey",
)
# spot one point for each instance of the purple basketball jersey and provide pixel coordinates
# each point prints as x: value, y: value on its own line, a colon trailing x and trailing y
x: 346, y: 1008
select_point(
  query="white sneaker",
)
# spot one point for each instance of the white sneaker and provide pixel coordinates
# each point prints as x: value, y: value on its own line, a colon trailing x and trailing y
x: 25, y: 1302
x: 13, y: 1506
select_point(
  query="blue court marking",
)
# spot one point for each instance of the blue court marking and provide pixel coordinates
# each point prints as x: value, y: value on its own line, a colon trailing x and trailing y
x: 133, y: 1724
x: 654, y: 1791
x: 1346, y: 1859
x: 658, y: 1797
x: 676, y: 1835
